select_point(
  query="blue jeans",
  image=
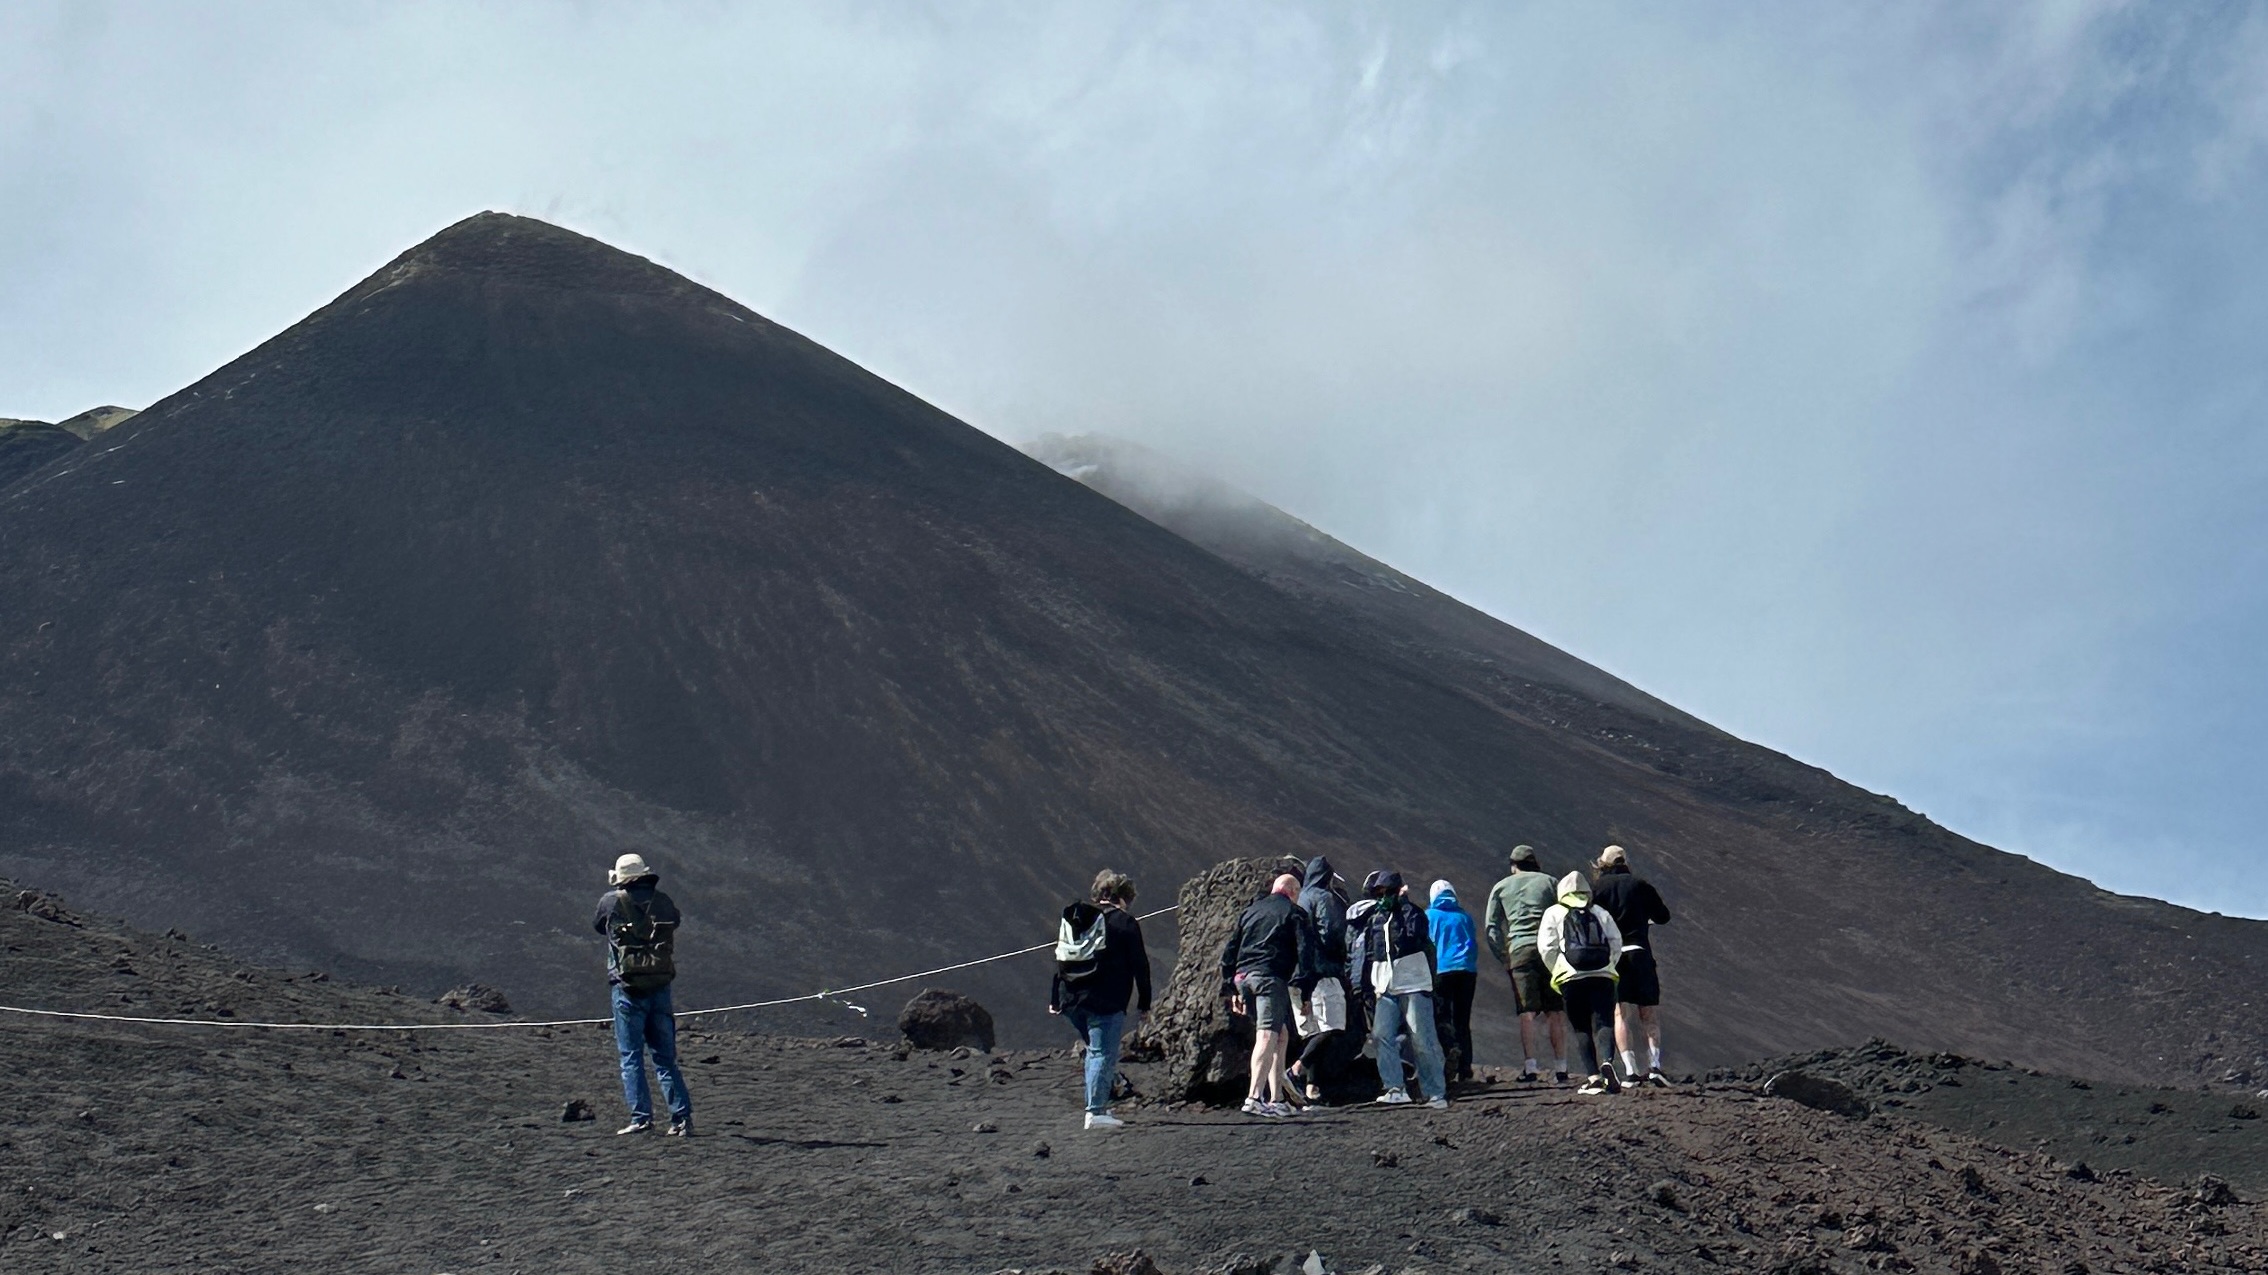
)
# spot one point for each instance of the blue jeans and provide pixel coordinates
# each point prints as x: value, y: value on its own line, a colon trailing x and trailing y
x: 642, y: 1024
x: 1413, y: 1010
x: 1101, y: 1032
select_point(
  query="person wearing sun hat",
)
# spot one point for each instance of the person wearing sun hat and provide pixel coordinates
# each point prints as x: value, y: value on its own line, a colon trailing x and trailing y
x: 640, y: 925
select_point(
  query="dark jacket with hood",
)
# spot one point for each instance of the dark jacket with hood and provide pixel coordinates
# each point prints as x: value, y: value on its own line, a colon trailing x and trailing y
x: 1327, y: 907
x: 1272, y: 937
x: 1382, y: 928
x: 1121, y: 970
x: 1632, y: 902
x: 643, y: 893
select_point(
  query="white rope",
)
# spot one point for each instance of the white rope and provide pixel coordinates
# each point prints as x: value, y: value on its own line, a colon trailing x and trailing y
x: 832, y: 994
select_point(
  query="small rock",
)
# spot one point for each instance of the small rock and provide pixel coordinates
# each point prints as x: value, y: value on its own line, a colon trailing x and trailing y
x: 1974, y: 1182
x: 1474, y: 1217
x: 326, y: 1208
x: 577, y: 1110
x: 850, y: 1042
x: 2212, y: 1192
x: 475, y: 996
x: 1200, y: 1180
x: 1664, y: 1193
x: 1818, y: 1093
x: 892, y: 1098
x: 2079, y: 1172
x: 1385, y: 1159
x: 1043, y: 1151
x: 1134, y: 1263
x: 2244, y: 1111
x: 985, y: 1126
x: 1314, y: 1265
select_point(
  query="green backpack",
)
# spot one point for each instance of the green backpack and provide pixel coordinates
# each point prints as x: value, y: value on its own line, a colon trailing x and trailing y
x: 643, y: 950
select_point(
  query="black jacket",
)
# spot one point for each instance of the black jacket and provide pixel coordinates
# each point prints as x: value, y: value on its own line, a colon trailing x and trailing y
x: 1634, y: 904
x: 1273, y: 937
x: 1394, y: 927
x: 643, y: 892
x: 1328, y: 909
x: 1121, y: 972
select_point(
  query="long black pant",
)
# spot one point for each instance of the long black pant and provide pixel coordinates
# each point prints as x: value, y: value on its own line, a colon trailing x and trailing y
x: 1590, y: 1008
x: 1453, y: 1018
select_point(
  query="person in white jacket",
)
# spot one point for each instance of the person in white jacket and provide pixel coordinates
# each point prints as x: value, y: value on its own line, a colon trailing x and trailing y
x: 1580, y: 945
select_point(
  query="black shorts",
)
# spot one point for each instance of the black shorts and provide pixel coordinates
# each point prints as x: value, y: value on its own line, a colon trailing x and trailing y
x: 1637, y: 981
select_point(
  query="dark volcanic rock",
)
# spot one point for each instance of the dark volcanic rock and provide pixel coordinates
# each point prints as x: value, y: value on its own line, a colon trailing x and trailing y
x: 1207, y: 1050
x: 576, y: 1110
x: 945, y: 1020
x: 1818, y: 1092
x: 475, y: 996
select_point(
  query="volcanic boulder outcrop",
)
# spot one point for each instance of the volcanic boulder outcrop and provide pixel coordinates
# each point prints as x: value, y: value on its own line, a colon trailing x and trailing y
x: 1206, y: 1049
x: 946, y: 1020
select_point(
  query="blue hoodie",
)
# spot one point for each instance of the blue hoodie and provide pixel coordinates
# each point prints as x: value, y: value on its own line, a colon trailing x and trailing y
x: 1454, y: 943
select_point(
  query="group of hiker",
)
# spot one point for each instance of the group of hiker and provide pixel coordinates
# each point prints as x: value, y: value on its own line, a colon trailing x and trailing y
x: 1378, y: 976
x: 1306, y: 963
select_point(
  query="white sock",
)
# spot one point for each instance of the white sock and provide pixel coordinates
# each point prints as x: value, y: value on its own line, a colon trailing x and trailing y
x: 1561, y: 1067
x: 1654, y: 1053
x: 1629, y: 1062
x: 1530, y: 1068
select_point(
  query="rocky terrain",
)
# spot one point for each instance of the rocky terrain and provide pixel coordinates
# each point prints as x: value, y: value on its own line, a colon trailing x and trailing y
x: 139, y: 1148
x: 372, y: 649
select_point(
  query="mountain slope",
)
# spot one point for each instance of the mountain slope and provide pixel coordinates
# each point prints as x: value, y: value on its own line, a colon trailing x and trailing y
x: 373, y: 648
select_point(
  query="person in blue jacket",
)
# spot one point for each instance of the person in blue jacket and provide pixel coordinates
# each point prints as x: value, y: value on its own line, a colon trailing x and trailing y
x: 1457, y: 951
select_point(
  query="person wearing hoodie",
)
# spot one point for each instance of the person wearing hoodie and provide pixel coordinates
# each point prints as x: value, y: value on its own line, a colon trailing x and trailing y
x: 1272, y: 947
x: 1392, y: 961
x: 1456, y: 952
x: 640, y: 925
x: 1092, y: 991
x: 1515, y: 908
x: 1580, y: 945
x: 1319, y: 1011
x: 1636, y: 907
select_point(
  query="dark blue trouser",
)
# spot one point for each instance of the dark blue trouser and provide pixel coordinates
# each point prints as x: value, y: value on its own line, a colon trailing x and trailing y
x: 645, y: 1024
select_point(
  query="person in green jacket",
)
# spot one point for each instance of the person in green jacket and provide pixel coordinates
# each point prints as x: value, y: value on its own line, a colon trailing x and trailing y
x: 1515, y: 908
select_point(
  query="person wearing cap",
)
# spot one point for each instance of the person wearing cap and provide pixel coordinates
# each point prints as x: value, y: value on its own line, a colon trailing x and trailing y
x: 1392, y: 961
x: 640, y: 925
x: 1456, y: 951
x: 1515, y: 909
x: 1636, y: 907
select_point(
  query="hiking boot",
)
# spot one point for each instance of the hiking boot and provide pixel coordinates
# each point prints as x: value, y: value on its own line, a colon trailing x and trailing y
x: 679, y: 1128
x: 635, y: 1126
x: 1104, y: 1120
x: 1598, y: 1085
x: 1658, y: 1079
x: 1438, y: 1104
x: 1393, y: 1098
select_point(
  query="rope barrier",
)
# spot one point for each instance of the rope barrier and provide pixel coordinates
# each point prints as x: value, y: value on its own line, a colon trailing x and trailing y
x: 831, y: 994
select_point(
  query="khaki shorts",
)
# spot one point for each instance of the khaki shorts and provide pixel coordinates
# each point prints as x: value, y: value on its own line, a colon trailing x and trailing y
x: 1322, y: 1010
x: 1531, y: 983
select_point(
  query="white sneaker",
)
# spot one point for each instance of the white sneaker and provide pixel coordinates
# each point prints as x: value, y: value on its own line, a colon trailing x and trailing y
x: 635, y: 1126
x: 1438, y: 1104
x: 1597, y: 1085
x: 1279, y: 1109
x: 1255, y: 1107
x: 1104, y: 1120
x: 1393, y: 1098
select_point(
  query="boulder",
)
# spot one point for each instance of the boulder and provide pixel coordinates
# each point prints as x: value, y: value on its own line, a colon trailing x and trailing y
x: 1206, y: 1050
x: 945, y: 1020
x: 1817, y: 1092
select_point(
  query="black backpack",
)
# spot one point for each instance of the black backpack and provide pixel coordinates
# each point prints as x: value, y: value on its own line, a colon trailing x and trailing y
x: 644, y: 950
x: 1586, y: 950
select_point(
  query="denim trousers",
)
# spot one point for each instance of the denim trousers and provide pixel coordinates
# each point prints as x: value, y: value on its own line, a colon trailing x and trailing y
x: 642, y: 1025
x: 1414, y: 1011
x: 1101, y: 1032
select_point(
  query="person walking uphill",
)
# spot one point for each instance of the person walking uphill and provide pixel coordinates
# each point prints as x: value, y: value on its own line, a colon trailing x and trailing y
x: 1271, y: 947
x: 1101, y: 966
x: 1392, y: 960
x: 1515, y: 909
x: 1579, y: 945
x: 1636, y: 907
x: 640, y: 925
x: 1456, y: 951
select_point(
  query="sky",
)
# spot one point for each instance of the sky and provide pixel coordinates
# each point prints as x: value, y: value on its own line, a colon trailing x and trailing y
x: 1882, y: 382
